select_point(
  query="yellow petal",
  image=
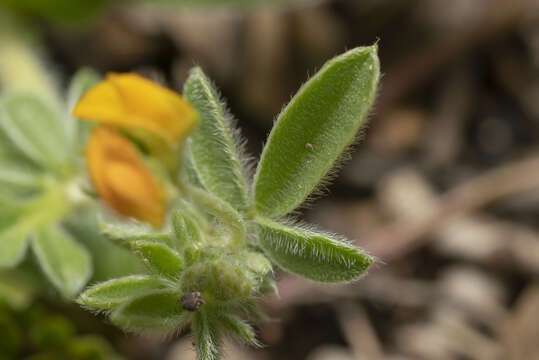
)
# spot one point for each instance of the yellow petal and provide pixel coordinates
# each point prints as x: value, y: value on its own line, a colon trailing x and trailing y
x: 132, y: 101
x: 121, y: 178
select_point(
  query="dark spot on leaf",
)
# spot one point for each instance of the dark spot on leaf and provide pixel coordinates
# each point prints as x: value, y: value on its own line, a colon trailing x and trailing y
x: 192, y: 301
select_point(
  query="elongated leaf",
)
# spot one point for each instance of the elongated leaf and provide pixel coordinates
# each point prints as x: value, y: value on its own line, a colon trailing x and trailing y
x: 186, y: 229
x: 215, y: 153
x: 65, y: 263
x: 228, y: 216
x: 82, y: 81
x: 188, y: 173
x: 123, y: 234
x: 239, y: 328
x: 16, y: 183
x: 314, y: 129
x: 257, y: 263
x: 10, y: 211
x: 13, y: 246
x: 20, y: 220
x: 269, y: 286
x: 159, y: 258
x: 206, y: 336
x: 109, y: 260
x: 19, y: 176
x: 110, y: 294
x: 247, y: 308
x: 312, y: 255
x: 181, y: 233
x: 35, y: 129
x: 160, y: 311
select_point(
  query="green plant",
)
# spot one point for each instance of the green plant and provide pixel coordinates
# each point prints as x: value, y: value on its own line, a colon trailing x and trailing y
x: 45, y: 205
x: 36, y: 332
x: 219, y: 225
x: 38, y: 170
x: 213, y: 258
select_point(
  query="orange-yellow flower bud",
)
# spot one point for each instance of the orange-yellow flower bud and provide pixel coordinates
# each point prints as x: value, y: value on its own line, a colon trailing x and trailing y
x: 132, y: 101
x: 121, y: 178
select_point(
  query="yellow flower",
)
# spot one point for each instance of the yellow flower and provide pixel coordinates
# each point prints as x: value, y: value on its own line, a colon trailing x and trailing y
x: 130, y: 101
x: 121, y: 178
x: 156, y: 116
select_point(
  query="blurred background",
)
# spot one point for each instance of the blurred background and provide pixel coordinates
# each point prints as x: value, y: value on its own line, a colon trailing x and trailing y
x: 443, y: 188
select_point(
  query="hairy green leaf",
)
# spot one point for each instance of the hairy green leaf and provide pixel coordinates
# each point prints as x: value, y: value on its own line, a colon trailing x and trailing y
x: 215, y: 149
x: 220, y: 277
x: 313, y: 255
x: 222, y: 211
x: 156, y: 312
x: 188, y: 172
x: 35, y: 129
x: 206, y: 336
x: 239, y: 328
x: 123, y: 234
x: 269, y: 286
x: 314, y: 129
x: 159, y: 258
x: 186, y: 229
x: 65, y: 263
x: 246, y: 308
x: 257, y: 263
x: 111, y: 293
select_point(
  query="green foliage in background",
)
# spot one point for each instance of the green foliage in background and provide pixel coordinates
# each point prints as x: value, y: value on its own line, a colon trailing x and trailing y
x: 63, y: 10
x: 35, y: 333
x: 42, y: 177
x: 41, y: 195
x: 40, y: 153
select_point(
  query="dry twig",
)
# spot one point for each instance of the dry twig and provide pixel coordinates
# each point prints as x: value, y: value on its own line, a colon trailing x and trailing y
x: 403, y: 236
